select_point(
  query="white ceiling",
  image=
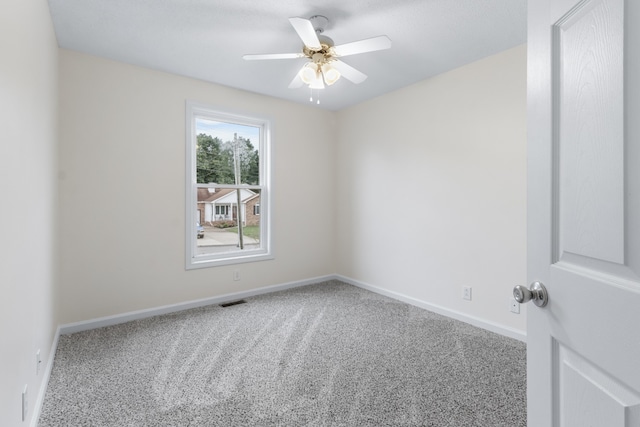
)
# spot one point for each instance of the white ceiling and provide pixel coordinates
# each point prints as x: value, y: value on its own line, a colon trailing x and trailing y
x: 205, y: 39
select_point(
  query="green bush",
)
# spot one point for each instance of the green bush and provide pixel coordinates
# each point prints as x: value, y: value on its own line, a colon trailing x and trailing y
x: 224, y: 224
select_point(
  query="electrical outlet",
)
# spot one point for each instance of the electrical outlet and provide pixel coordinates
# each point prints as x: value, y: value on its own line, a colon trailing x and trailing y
x: 25, y: 403
x: 38, y: 362
x: 466, y: 293
x: 236, y: 275
x: 514, y: 306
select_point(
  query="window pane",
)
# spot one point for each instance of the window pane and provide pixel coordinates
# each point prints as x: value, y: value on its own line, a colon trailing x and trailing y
x: 227, y: 153
x: 217, y: 215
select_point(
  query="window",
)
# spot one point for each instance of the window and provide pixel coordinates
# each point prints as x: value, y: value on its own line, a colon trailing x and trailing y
x: 228, y: 188
x: 222, y: 210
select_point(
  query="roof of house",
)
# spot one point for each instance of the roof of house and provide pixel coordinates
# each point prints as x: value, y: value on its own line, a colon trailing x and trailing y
x: 253, y: 196
x: 205, y: 196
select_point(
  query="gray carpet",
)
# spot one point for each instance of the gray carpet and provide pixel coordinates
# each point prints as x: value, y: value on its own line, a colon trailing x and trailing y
x: 329, y: 354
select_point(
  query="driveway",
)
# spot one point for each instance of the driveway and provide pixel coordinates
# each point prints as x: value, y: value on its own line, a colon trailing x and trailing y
x: 220, y: 237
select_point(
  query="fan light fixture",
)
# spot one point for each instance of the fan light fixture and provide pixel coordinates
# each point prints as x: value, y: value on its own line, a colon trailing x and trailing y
x: 317, y: 75
x: 324, y: 67
x: 330, y: 74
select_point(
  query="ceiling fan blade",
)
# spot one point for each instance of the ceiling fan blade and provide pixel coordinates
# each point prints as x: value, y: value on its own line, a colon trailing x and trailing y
x: 273, y: 56
x: 296, y: 82
x: 362, y: 46
x: 348, y: 72
x: 305, y: 30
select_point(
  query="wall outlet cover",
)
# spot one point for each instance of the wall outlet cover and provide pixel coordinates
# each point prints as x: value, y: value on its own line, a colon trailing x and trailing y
x: 25, y: 403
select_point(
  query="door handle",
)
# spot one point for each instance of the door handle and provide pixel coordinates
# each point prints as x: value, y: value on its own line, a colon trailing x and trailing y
x: 536, y: 293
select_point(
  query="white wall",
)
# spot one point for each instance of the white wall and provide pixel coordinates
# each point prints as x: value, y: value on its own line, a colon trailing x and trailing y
x: 432, y: 183
x: 28, y: 128
x: 122, y: 160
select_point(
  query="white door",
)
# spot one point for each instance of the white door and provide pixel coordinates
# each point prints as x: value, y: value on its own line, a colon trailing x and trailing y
x: 583, y: 352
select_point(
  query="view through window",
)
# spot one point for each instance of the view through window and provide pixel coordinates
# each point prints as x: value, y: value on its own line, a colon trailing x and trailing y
x: 228, y: 188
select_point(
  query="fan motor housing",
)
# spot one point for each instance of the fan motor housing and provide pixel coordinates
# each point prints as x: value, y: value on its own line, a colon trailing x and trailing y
x: 325, y: 50
x: 324, y: 54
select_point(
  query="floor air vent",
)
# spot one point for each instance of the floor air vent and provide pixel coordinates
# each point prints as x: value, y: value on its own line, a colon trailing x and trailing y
x: 229, y: 304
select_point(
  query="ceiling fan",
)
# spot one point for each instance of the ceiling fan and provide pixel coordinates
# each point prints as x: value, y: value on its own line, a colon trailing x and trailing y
x: 324, y: 67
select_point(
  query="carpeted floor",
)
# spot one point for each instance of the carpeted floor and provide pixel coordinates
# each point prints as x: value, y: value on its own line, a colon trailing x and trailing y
x: 329, y: 354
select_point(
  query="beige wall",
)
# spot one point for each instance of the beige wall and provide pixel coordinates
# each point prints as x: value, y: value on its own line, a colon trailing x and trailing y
x: 122, y: 151
x: 432, y: 183
x: 430, y: 179
x: 28, y: 121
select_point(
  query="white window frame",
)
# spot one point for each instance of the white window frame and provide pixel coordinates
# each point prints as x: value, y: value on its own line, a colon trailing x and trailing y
x: 265, y: 251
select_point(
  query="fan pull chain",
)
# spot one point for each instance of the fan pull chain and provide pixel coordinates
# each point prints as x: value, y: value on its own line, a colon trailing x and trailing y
x: 311, y: 96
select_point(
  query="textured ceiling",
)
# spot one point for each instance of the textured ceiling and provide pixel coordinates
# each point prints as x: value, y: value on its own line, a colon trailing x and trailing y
x: 205, y: 39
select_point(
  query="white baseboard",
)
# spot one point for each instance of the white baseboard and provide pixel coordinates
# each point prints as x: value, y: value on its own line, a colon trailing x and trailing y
x: 101, y: 322
x: 37, y: 408
x: 472, y: 320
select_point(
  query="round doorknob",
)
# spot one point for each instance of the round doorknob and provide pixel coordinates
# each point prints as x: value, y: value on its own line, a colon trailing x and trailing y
x: 536, y: 293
